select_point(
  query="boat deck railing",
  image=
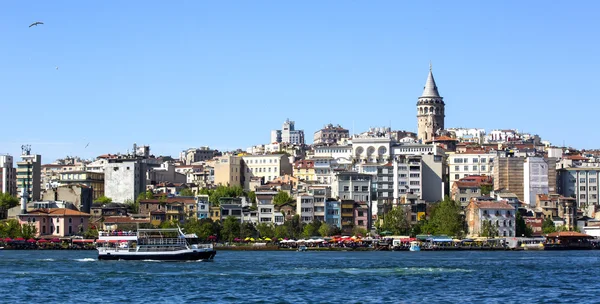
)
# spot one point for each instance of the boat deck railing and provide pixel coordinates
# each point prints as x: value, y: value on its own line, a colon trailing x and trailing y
x: 162, y: 241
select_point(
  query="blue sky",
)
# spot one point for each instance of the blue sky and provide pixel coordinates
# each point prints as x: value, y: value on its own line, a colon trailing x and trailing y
x: 191, y: 73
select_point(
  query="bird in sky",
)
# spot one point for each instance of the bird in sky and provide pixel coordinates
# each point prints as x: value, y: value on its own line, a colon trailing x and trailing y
x: 36, y: 23
x: 87, y: 145
x: 57, y: 68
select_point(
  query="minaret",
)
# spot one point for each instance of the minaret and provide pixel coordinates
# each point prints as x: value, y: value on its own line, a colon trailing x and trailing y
x: 24, y: 197
x: 430, y: 111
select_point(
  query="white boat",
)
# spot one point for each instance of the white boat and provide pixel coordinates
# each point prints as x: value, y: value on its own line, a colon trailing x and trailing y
x: 151, y: 244
x: 414, y: 246
x: 302, y: 248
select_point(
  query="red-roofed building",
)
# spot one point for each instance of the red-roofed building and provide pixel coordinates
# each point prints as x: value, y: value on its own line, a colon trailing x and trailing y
x: 304, y: 170
x: 58, y: 222
x: 469, y: 187
x: 498, y: 214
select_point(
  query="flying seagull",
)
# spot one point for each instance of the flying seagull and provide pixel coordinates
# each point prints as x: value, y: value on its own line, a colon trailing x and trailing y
x: 36, y: 23
x: 87, y: 145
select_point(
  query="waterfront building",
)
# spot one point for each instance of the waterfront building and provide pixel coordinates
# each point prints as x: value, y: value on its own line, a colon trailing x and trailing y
x: 203, y: 206
x: 499, y: 214
x: 288, y: 134
x: 287, y: 211
x: 430, y: 111
x: 8, y: 175
x: 98, y: 211
x: 330, y: 135
x: 29, y: 171
x: 305, y: 207
x: 265, y: 207
x: 355, y: 187
x: 347, y: 218
x: 402, y: 175
x: 361, y: 216
x: 371, y: 149
x: 56, y: 222
x: 333, y: 210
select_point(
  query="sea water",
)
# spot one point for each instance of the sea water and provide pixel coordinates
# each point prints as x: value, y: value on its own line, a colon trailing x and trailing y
x: 304, y: 277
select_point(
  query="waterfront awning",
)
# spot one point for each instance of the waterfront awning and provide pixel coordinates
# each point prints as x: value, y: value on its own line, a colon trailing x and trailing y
x: 55, y: 240
x: 31, y: 240
x: 42, y: 241
x: 19, y: 239
x: 7, y: 239
x: 83, y: 241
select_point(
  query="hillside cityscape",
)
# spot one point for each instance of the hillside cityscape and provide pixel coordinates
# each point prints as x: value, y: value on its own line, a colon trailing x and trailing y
x: 463, y: 182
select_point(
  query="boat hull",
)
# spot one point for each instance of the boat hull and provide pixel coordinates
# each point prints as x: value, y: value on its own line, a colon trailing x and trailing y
x: 171, y: 256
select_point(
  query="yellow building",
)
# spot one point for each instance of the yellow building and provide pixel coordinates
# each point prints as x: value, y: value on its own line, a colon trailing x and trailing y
x: 304, y: 170
x: 94, y: 180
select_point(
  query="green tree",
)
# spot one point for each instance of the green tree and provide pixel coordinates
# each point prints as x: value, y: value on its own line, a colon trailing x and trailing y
x: 548, y: 226
x: 359, y: 231
x: 231, y: 228
x: 488, y: 229
x: 396, y: 221
x: 486, y: 189
x: 521, y: 228
x: 104, y: 200
x: 294, y: 227
x: 91, y: 232
x: 281, y: 198
x: 134, y: 206
x: 224, y: 191
x: 186, y: 192
x: 311, y: 229
x: 7, y: 201
x: 247, y: 229
x: 266, y: 230
x: 252, y: 197
x: 325, y: 229
x: 445, y: 218
x: 10, y: 228
x: 281, y: 232
x: 28, y: 231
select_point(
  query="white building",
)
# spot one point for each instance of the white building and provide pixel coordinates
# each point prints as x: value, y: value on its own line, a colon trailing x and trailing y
x: 288, y: 134
x: 124, y: 179
x: 535, y: 179
x: 499, y: 214
x: 8, y: 175
x: 268, y: 167
x: 305, y: 206
x: 203, y: 206
x: 500, y: 136
x: 468, y: 134
x: 471, y: 163
x: 373, y: 146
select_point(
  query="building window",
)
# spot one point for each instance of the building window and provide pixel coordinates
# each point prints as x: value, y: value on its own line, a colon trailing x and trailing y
x: 456, y: 176
x: 482, y: 167
x: 582, y: 180
x: 581, y: 196
x: 581, y: 188
x: 466, y: 168
x: 356, y: 188
x: 463, y: 199
x: 456, y: 168
x: 475, y: 160
x: 474, y: 168
x: 70, y: 220
x: 593, y: 180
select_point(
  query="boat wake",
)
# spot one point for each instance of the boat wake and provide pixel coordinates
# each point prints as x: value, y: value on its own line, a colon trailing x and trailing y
x: 85, y: 260
x: 47, y: 260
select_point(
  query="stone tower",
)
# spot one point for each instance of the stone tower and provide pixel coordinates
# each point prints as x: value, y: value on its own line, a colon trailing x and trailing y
x: 430, y: 111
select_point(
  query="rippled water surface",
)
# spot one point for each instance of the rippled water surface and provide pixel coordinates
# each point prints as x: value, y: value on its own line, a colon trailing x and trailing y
x: 304, y: 277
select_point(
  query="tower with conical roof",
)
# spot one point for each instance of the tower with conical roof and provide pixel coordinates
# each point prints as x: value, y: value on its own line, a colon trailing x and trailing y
x: 430, y: 111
